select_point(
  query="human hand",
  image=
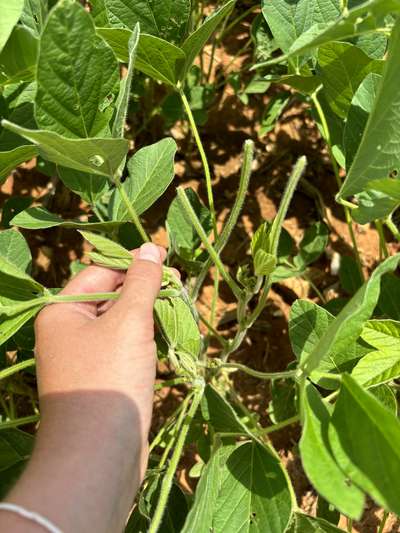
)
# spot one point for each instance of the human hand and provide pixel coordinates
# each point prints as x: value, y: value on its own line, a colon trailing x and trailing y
x: 107, y: 347
x: 96, y: 370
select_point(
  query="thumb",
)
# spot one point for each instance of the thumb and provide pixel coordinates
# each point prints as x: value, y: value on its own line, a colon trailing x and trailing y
x: 142, y: 282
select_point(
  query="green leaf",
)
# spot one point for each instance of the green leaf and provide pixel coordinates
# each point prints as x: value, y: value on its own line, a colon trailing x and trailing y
x: 389, y: 300
x: 264, y: 263
x: 71, y: 88
x: 342, y: 67
x: 289, y: 20
x: 10, y: 13
x: 18, y: 58
x: 10, y: 160
x: 386, y: 396
x: 313, y: 244
x: 95, y: 156
x: 363, y: 19
x: 151, y: 170
x: 160, y: 59
x: 91, y: 187
x: 379, y: 152
x: 349, y: 274
x: 220, y: 414
x: 377, y: 367
x: 308, y: 524
x: 14, y: 248
x: 15, y: 282
x: 118, y: 39
x: 40, y: 218
x: 303, y: 84
x: 347, y: 326
x: 308, y: 324
x: 245, y: 490
x: 196, y: 41
x: 373, y: 44
x: 360, y: 109
x: 383, y: 364
x: 318, y: 463
x: 125, y: 86
x: 388, y: 186
x: 273, y: 111
x: 111, y: 254
x: 207, y: 492
x: 9, y: 325
x: 179, y: 327
x: 372, y: 205
x: 182, y: 234
x: 15, y: 449
x: 34, y: 15
x: 167, y: 19
x: 364, y: 437
x: 99, y: 13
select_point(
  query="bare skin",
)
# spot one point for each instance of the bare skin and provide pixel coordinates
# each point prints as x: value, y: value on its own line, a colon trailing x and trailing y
x: 96, y: 372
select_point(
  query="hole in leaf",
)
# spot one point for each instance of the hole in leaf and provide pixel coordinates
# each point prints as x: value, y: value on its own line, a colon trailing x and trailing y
x: 394, y: 173
x: 96, y: 160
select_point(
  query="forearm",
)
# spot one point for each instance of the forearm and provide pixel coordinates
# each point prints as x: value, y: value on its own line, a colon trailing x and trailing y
x: 88, y: 461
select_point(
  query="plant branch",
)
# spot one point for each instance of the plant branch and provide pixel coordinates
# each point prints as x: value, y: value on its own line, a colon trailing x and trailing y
x: 233, y: 215
x: 186, y: 205
x: 7, y: 372
x: 19, y: 422
x: 131, y: 210
x: 276, y: 427
x: 260, y: 375
x: 204, y: 159
x: 169, y: 474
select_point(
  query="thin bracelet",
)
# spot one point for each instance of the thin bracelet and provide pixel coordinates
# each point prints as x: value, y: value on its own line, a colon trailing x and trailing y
x: 30, y: 515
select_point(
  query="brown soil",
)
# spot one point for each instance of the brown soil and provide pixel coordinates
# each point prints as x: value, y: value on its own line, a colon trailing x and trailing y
x: 267, y: 345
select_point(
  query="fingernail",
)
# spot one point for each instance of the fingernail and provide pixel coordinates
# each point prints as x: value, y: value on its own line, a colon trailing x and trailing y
x: 150, y: 252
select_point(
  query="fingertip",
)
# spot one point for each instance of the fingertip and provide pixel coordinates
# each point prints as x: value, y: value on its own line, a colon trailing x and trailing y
x: 150, y: 252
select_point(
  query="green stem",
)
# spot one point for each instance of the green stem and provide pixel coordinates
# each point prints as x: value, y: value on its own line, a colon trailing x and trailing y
x: 275, y: 233
x: 384, y: 252
x: 260, y: 375
x: 233, y: 215
x: 19, y: 422
x: 383, y: 522
x: 238, y: 19
x: 335, y: 167
x: 187, y: 206
x: 392, y: 228
x: 7, y: 372
x: 131, y: 210
x: 280, y: 425
x: 170, y: 473
x: 170, y: 383
x: 204, y: 159
x: 349, y: 525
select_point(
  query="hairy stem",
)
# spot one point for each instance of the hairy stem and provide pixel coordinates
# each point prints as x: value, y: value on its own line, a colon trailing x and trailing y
x: 260, y: 375
x: 275, y: 233
x: 186, y: 205
x: 170, y: 473
x: 7, y: 372
x: 276, y: 427
x: 233, y: 215
x: 383, y: 522
x: 19, y: 422
x: 383, y: 251
x: 206, y: 166
x: 131, y: 210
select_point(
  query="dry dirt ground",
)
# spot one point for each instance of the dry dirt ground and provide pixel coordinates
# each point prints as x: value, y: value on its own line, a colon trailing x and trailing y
x: 267, y: 345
